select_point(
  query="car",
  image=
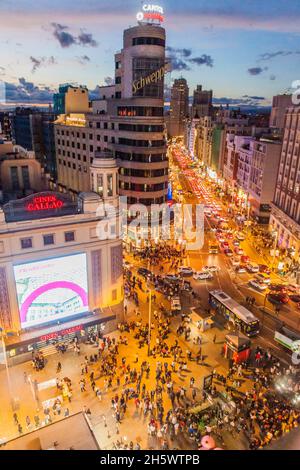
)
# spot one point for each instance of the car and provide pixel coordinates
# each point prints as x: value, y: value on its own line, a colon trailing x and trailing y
x: 295, y: 298
x: 235, y: 261
x: 202, y: 275
x: 258, y: 285
x: 236, y: 242
x: 280, y: 298
x: 252, y: 267
x: 238, y: 250
x: 263, y: 268
x: 212, y: 269
x: 240, y: 236
x: 228, y: 252
x: 144, y: 272
x: 172, y: 278
x: 225, y: 245
x: 262, y: 277
x: 185, y: 271
x: 245, y: 259
x: 241, y: 269
x: 278, y: 287
x: 229, y: 236
x: 293, y: 288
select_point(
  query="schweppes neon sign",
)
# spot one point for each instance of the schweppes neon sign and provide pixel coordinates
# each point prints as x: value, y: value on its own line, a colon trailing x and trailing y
x: 154, y: 77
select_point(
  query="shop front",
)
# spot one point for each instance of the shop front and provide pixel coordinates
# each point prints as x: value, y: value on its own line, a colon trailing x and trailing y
x: 21, y: 348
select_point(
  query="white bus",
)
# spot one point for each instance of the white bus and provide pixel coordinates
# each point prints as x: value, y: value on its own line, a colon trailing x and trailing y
x: 241, y: 317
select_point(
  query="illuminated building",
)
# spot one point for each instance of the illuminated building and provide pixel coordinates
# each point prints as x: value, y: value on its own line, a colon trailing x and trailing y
x: 59, y: 275
x: 127, y: 121
x: 285, y: 217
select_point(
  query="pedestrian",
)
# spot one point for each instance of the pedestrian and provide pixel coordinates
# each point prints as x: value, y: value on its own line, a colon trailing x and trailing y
x: 215, y: 339
x: 25, y: 378
x: 58, y: 368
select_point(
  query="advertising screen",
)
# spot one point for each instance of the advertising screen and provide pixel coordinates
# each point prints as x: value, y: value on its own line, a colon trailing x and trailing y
x: 52, y: 289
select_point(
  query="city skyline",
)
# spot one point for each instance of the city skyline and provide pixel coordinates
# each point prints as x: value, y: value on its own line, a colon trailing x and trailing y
x: 233, y: 48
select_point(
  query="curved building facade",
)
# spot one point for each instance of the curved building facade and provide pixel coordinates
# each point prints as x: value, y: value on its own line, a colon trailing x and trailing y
x: 140, y: 146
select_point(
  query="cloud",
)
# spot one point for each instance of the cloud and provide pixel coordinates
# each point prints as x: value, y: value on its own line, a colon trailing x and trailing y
x: 256, y: 70
x: 184, y: 52
x: 179, y: 64
x: 2, y: 70
x: 181, y: 59
x: 66, y: 39
x: 27, y: 92
x: 109, y: 81
x: 203, y: 60
x: 38, y: 62
x: 83, y: 60
x: 271, y: 55
x: 86, y: 39
x: 245, y: 100
x: 254, y: 97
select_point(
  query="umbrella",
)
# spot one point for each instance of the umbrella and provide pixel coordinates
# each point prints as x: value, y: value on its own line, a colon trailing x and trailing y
x: 208, y: 442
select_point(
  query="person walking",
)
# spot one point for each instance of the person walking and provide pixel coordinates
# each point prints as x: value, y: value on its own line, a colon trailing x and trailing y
x: 58, y: 368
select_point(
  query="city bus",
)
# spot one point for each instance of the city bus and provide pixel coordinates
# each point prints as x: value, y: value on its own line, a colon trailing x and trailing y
x: 241, y: 317
x: 288, y: 339
x: 213, y: 248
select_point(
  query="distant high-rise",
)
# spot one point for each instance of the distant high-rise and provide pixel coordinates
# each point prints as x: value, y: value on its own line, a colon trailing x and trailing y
x: 179, y: 110
x: 279, y: 108
x: 202, y: 102
x: 33, y: 130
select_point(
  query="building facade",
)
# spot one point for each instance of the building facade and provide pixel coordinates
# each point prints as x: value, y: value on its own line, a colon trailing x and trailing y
x: 58, y: 276
x: 280, y: 105
x: 202, y: 102
x: 179, y: 109
x: 126, y: 122
x: 285, y: 217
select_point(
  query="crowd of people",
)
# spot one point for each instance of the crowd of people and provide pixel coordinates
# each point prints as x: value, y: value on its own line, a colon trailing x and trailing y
x: 161, y: 390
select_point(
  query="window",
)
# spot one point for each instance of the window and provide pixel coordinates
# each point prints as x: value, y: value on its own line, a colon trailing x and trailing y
x: 69, y: 237
x: 25, y: 177
x: 100, y: 185
x: 26, y: 243
x: 118, y: 80
x: 149, y: 41
x: 14, y: 178
x: 48, y: 239
x: 109, y: 185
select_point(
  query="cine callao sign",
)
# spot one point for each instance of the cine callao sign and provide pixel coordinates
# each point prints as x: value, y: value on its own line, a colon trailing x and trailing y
x: 154, y: 77
x: 42, y: 203
x: 151, y: 13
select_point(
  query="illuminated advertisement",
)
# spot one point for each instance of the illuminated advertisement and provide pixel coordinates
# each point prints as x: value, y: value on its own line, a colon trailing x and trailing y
x: 52, y: 289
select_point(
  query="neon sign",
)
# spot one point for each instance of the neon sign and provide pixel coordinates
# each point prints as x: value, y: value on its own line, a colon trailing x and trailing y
x: 42, y: 203
x: 151, y: 13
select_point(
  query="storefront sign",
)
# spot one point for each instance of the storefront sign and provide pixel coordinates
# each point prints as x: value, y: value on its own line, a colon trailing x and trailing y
x: 65, y: 332
x: 154, y: 77
x: 151, y: 13
x: 44, y: 203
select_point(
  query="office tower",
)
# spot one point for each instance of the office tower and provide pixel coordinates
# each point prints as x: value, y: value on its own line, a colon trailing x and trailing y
x: 34, y: 130
x: 202, y: 102
x: 179, y: 110
x: 279, y: 108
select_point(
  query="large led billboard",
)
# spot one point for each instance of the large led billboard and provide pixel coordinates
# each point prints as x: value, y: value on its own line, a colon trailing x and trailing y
x: 51, y: 289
